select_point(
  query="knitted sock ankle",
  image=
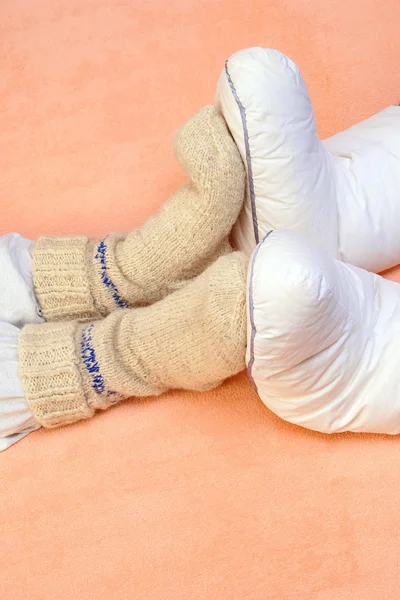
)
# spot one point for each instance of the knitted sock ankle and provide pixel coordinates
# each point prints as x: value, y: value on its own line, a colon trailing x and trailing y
x: 192, y: 339
x: 78, y: 278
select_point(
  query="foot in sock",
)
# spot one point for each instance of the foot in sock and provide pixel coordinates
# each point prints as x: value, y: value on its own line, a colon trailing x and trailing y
x: 77, y: 278
x: 322, y: 350
x: 343, y: 192
x: 324, y: 340
x: 192, y: 339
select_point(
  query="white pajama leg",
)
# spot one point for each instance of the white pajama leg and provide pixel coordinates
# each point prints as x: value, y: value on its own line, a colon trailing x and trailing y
x: 18, y: 304
x: 16, y: 419
x: 18, y: 307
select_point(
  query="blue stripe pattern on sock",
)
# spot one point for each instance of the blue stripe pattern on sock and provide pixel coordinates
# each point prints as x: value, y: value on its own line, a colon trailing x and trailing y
x: 100, y: 256
x: 89, y: 359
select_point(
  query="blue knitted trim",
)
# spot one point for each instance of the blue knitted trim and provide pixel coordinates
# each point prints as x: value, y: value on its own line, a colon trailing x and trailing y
x: 88, y: 355
x: 101, y: 257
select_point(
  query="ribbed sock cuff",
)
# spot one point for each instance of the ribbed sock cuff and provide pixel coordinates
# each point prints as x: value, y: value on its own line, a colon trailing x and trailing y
x: 49, y: 367
x: 60, y: 277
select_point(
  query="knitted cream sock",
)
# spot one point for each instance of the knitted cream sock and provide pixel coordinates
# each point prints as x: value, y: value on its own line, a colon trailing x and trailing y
x: 78, y: 278
x: 192, y: 339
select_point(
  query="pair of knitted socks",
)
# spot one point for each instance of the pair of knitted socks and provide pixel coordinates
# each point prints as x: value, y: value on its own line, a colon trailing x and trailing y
x: 181, y: 289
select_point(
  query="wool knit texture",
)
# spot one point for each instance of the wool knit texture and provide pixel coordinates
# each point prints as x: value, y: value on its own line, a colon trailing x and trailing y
x: 192, y: 339
x: 76, y: 277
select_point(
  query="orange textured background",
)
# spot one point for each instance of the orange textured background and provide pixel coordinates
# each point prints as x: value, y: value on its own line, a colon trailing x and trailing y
x: 188, y: 496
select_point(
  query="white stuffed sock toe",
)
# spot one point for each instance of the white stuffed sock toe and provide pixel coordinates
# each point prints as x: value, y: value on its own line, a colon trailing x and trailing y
x: 343, y: 193
x: 265, y: 102
x: 324, y: 339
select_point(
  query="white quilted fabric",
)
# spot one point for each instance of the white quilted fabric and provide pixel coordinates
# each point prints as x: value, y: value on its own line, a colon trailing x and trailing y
x: 344, y: 193
x: 324, y: 338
